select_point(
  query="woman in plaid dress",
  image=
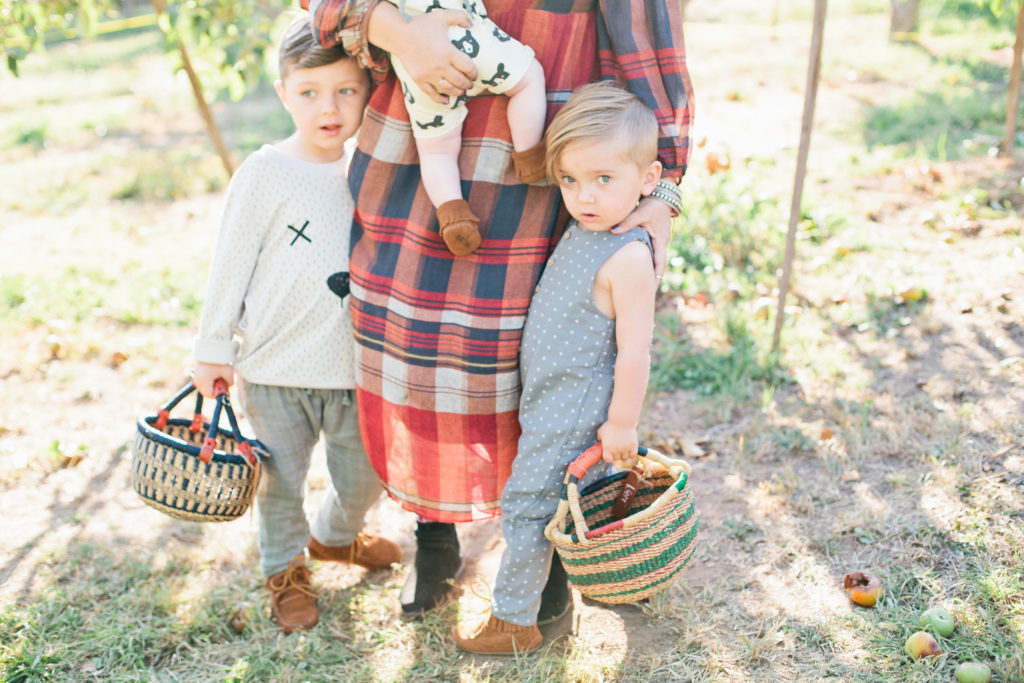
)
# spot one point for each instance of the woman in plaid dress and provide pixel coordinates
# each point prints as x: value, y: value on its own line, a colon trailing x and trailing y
x: 437, y: 337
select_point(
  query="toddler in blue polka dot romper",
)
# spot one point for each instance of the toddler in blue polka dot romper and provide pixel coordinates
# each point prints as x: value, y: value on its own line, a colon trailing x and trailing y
x: 586, y: 345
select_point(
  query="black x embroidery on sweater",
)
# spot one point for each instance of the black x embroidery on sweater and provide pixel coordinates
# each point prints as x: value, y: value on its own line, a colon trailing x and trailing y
x: 299, y: 232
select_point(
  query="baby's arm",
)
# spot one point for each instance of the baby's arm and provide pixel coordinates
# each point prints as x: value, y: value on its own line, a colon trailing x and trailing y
x: 629, y: 277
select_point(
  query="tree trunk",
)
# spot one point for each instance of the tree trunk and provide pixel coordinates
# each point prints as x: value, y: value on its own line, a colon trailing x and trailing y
x: 212, y: 129
x: 903, y: 21
x: 1014, y: 99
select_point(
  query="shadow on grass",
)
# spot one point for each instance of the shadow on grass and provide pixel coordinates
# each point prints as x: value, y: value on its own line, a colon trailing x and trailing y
x: 83, y: 504
x: 942, y: 122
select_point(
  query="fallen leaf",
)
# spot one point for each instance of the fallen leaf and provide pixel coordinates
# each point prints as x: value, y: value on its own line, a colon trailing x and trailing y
x: 850, y: 475
x: 71, y: 460
x: 827, y: 433
x: 715, y: 162
x: 690, y: 448
x: 763, y: 308
x: 240, y: 619
x: 912, y: 294
x: 666, y: 447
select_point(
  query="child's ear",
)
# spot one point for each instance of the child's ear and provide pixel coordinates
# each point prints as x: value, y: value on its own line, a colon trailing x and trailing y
x: 279, y: 89
x: 651, y: 177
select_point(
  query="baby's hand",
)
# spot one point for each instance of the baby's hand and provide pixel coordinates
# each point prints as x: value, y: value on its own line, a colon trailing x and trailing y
x: 208, y: 373
x: 619, y: 444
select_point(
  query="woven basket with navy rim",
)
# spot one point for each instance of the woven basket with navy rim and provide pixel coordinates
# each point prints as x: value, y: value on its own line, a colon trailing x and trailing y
x: 619, y: 561
x: 190, y: 468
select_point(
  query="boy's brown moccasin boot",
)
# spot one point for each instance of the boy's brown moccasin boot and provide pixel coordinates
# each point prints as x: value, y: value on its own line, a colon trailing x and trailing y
x: 292, y: 600
x: 372, y: 552
x: 459, y: 227
x: 529, y: 163
x: 497, y: 637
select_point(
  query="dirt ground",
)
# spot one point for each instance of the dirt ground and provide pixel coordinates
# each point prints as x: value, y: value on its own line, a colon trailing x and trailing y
x: 70, y: 397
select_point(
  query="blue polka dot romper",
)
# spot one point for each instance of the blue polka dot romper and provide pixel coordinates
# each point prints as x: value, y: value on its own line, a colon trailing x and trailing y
x: 567, y: 365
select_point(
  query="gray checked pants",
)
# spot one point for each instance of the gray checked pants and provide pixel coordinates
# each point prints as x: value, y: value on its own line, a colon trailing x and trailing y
x: 289, y: 422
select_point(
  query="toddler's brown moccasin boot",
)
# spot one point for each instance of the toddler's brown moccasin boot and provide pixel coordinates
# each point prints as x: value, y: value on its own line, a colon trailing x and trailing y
x: 459, y: 227
x: 529, y: 163
x: 292, y: 600
x: 372, y: 552
x: 497, y: 637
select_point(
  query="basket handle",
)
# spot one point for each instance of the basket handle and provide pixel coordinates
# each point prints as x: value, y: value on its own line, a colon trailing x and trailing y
x: 570, y: 500
x: 220, y: 389
x: 164, y: 413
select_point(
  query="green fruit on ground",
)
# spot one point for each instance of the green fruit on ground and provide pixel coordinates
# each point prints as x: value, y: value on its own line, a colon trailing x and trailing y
x: 922, y: 644
x: 938, y: 619
x: 973, y: 672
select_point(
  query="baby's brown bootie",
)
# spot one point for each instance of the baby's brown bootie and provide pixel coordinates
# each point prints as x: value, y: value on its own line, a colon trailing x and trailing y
x: 529, y: 163
x: 459, y: 227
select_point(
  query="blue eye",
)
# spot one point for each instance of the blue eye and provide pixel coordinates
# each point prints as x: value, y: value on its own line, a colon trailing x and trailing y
x: 307, y: 93
x: 567, y: 180
x: 604, y: 179
x: 347, y: 91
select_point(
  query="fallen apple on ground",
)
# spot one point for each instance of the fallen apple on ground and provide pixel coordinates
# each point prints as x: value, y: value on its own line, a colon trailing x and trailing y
x: 922, y: 644
x: 973, y: 672
x: 864, y: 589
x: 939, y: 619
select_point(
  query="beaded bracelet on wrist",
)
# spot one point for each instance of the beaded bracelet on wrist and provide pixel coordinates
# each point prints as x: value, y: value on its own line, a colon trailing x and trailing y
x: 668, y: 193
x: 673, y: 203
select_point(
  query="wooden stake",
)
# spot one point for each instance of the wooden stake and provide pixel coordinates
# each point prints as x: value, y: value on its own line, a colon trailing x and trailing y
x: 810, y: 95
x: 1014, y: 99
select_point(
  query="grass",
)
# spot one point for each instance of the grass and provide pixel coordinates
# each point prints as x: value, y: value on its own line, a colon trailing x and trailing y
x: 882, y: 437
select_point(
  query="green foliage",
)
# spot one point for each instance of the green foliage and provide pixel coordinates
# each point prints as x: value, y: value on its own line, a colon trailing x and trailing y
x: 24, y: 25
x: 943, y: 123
x: 733, y: 231
x: 728, y: 249
x: 153, y: 297
x: 164, y: 176
x: 32, y: 135
x: 732, y: 369
x: 227, y: 41
x: 992, y: 12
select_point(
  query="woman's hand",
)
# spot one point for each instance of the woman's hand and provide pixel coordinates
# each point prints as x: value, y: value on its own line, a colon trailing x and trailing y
x: 655, y: 217
x: 422, y: 45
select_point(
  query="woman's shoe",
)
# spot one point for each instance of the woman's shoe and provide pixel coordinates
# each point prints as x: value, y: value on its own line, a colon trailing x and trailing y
x: 430, y: 581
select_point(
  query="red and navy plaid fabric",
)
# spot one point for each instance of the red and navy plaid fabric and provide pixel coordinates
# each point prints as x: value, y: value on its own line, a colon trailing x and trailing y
x: 437, y: 336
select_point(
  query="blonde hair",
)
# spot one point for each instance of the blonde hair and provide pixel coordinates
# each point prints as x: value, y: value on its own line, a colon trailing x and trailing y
x: 603, y: 112
x: 300, y: 50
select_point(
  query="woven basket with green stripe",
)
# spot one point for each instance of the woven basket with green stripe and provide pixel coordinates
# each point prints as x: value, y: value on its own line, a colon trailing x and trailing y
x: 619, y: 561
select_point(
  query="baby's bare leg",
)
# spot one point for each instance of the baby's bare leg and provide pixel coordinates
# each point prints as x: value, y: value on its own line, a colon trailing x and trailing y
x: 527, y: 106
x: 439, y: 169
x: 439, y: 166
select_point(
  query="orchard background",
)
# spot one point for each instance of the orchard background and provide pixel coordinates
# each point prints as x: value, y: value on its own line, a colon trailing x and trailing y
x: 886, y: 436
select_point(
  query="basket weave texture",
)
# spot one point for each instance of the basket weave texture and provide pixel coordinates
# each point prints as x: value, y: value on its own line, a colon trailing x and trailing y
x: 629, y: 560
x: 169, y: 475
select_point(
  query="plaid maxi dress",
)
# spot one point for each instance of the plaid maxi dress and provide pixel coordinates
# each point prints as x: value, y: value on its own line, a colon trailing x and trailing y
x: 437, y: 337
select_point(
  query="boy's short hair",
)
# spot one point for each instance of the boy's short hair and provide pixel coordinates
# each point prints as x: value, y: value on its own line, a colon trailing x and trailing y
x: 299, y: 49
x: 601, y: 112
